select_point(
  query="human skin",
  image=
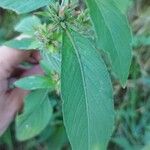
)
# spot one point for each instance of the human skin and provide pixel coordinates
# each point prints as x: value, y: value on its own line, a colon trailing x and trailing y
x: 11, y: 100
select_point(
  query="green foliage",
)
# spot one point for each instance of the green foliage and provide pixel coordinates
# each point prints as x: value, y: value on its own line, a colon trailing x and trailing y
x: 84, y: 106
x: 7, y: 21
x: 123, y: 5
x: 52, y: 62
x: 23, y: 44
x: 35, y: 82
x: 23, y: 6
x: 28, y: 25
x: 113, y: 35
x: 37, y: 114
x: 71, y: 51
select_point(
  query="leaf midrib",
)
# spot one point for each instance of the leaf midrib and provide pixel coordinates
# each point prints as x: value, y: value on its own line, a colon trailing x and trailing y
x: 110, y: 34
x: 83, y: 79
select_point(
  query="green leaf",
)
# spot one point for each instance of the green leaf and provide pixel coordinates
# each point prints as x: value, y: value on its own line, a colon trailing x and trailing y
x: 45, y: 67
x: 28, y: 25
x: 23, y: 44
x: 23, y: 6
x: 113, y: 34
x: 35, y: 82
x: 37, y: 114
x: 123, y: 5
x: 53, y: 60
x: 141, y: 40
x: 87, y: 94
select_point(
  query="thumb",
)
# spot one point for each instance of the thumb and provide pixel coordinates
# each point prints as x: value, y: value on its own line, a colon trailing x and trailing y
x: 10, y: 58
x: 13, y: 102
x: 13, y: 56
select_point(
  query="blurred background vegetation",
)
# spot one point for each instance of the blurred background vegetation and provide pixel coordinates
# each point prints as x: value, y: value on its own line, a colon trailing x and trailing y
x: 132, y: 104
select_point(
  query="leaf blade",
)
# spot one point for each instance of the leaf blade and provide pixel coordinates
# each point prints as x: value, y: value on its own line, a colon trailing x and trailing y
x: 23, y: 44
x: 80, y: 103
x: 35, y: 82
x: 28, y: 25
x: 23, y: 6
x: 113, y: 34
x: 28, y: 124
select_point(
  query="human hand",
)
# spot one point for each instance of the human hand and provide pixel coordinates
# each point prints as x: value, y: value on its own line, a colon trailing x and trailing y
x: 11, y: 100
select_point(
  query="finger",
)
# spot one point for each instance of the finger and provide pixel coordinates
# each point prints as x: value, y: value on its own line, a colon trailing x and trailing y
x: 18, y: 94
x: 33, y: 71
x: 34, y: 58
x: 12, y: 101
x: 37, y: 56
x: 13, y: 56
x: 9, y: 58
x: 20, y: 72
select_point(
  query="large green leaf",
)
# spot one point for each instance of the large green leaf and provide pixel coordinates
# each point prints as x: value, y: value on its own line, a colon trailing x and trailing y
x: 23, y: 6
x: 36, y: 115
x: 113, y: 34
x: 87, y: 94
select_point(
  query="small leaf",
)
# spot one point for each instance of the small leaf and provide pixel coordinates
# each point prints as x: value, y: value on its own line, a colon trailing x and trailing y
x: 28, y: 25
x: 35, y: 82
x: 37, y: 114
x: 113, y: 34
x: 45, y: 67
x: 87, y: 94
x: 139, y: 41
x: 23, y: 44
x: 23, y: 6
x: 53, y: 60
